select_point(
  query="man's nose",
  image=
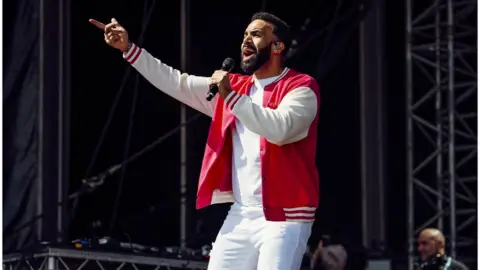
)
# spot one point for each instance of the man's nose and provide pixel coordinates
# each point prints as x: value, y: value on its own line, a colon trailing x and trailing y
x: 247, y: 39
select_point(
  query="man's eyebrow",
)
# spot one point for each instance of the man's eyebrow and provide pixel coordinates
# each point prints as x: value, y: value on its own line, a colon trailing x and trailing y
x: 256, y: 30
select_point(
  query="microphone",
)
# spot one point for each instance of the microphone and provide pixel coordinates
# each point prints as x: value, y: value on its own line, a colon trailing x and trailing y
x: 227, y: 65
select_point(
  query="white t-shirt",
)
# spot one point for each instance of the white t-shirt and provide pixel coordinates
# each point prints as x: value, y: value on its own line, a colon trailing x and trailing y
x: 246, y: 170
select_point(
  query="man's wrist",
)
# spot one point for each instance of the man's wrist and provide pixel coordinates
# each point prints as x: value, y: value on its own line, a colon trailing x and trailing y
x: 227, y: 92
x: 129, y: 46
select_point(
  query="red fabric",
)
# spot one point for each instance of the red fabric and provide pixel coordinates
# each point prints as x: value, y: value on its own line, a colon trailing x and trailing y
x: 289, y: 174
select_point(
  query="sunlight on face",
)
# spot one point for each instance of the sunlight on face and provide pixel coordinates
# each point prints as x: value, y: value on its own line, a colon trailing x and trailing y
x: 256, y: 45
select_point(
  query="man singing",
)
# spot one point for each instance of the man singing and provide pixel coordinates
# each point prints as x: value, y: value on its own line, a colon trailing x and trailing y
x: 261, y: 148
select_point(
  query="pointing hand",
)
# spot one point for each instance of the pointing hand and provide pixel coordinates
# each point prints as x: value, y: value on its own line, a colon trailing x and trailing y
x: 114, y: 34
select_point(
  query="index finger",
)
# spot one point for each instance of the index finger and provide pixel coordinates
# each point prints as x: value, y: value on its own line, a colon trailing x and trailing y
x: 98, y: 24
x: 111, y: 26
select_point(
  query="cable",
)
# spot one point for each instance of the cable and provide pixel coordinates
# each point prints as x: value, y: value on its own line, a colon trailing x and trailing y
x: 149, y: 147
x: 108, y: 122
x: 129, y: 131
x: 329, y: 36
x: 125, y: 155
x: 117, y: 97
x: 300, y: 49
x: 114, y: 105
x: 327, y: 64
x: 89, y: 184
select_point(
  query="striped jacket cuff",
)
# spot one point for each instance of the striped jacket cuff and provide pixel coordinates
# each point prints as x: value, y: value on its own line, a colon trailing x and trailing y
x: 232, y: 100
x: 300, y: 214
x: 133, y: 54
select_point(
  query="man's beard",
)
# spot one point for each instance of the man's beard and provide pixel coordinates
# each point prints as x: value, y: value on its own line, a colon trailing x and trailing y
x: 256, y: 61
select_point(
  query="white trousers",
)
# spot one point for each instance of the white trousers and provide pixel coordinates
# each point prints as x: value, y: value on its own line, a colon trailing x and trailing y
x: 247, y: 241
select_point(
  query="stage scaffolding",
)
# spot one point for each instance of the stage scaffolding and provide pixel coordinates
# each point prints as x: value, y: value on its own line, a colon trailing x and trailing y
x: 49, y: 258
x: 441, y: 82
x: 70, y: 259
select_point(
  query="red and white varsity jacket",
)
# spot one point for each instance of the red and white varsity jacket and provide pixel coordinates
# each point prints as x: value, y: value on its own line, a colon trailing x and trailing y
x: 290, y: 184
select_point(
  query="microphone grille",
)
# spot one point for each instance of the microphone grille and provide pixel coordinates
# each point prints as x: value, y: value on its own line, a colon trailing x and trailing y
x: 228, y: 64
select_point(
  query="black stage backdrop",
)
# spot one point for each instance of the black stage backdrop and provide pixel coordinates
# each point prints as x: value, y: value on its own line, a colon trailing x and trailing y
x: 20, y: 105
x: 149, y: 197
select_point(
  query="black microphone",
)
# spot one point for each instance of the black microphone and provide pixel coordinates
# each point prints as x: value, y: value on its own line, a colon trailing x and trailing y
x: 227, y: 65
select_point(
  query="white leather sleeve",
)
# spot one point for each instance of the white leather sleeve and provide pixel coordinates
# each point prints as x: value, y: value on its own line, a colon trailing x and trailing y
x: 288, y: 123
x: 188, y: 89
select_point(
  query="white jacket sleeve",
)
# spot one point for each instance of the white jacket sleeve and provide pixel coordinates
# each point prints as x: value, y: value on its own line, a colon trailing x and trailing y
x: 188, y: 89
x: 288, y: 123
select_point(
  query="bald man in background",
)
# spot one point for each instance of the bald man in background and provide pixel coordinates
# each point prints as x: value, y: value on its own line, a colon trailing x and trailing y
x: 431, y: 246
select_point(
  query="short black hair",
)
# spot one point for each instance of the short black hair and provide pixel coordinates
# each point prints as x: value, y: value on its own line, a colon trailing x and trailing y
x: 280, y: 28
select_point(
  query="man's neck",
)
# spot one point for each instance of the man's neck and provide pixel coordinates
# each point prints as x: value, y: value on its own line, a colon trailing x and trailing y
x: 268, y: 71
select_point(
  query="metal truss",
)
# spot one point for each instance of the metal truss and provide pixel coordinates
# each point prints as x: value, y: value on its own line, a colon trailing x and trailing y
x: 441, y: 76
x: 70, y: 259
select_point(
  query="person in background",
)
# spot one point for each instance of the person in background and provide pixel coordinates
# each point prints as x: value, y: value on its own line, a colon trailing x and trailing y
x: 431, y: 247
x: 327, y: 256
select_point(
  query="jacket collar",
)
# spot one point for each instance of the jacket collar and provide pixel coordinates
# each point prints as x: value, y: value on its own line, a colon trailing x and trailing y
x: 284, y: 72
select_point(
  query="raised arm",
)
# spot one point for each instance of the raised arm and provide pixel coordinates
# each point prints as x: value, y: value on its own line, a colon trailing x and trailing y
x: 188, y: 89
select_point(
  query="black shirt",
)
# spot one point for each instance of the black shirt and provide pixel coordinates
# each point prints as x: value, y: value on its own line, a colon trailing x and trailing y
x: 456, y: 265
x: 439, y: 264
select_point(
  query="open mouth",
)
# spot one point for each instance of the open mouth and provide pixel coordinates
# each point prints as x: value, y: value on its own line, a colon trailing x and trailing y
x: 248, y: 52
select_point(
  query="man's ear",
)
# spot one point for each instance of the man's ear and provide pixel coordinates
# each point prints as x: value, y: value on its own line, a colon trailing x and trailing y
x: 278, y: 47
